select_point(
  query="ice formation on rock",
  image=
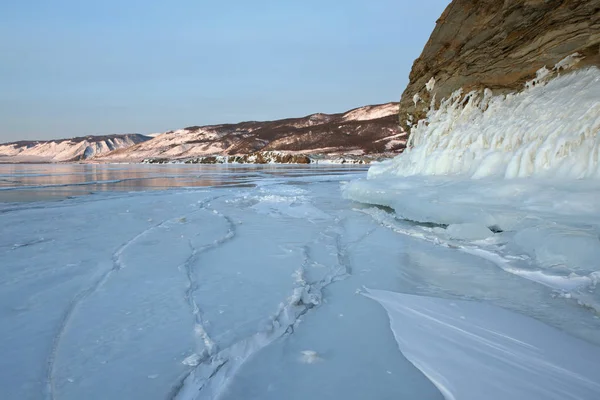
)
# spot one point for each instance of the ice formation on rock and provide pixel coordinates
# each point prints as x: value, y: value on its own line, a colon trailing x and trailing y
x: 548, y: 130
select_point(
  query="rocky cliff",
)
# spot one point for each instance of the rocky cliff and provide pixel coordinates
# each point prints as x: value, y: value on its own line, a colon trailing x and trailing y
x: 500, y: 44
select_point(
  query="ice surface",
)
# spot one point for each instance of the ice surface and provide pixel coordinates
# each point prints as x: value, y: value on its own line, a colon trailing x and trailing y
x: 468, y: 231
x: 248, y: 287
x: 474, y: 351
x: 550, y: 226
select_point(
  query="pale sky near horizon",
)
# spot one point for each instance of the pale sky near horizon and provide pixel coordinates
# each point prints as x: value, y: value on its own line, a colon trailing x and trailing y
x: 75, y: 68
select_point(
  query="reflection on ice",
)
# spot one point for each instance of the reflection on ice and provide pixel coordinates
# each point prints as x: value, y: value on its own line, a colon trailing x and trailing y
x: 30, y: 182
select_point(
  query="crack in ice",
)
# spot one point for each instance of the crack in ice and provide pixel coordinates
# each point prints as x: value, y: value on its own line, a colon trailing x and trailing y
x: 208, y: 344
x: 213, y: 373
x: 81, y: 296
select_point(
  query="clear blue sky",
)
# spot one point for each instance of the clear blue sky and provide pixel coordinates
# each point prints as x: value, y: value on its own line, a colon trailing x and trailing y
x: 74, y: 67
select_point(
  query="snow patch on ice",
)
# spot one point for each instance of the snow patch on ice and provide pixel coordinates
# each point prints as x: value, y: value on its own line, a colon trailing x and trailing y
x: 469, y: 231
x: 291, y: 206
x: 192, y: 360
x: 310, y: 357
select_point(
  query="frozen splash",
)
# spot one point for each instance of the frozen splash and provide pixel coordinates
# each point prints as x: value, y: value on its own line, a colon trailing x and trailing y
x: 548, y: 130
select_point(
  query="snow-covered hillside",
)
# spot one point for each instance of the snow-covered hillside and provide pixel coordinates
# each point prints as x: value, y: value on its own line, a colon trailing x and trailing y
x: 369, y: 129
x: 364, y: 130
x: 371, y: 112
x: 74, y: 149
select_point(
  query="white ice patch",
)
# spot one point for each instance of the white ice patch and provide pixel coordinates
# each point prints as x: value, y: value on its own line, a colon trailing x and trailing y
x: 291, y: 206
x: 430, y: 84
x: 472, y: 351
x: 565, y: 283
x: 192, y: 360
x: 568, y: 61
x: 470, y: 231
x: 286, y: 200
x: 546, y: 230
x: 310, y: 357
x: 416, y: 99
x: 541, y: 76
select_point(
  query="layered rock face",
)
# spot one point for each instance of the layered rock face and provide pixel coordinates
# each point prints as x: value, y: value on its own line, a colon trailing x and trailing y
x: 499, y: 44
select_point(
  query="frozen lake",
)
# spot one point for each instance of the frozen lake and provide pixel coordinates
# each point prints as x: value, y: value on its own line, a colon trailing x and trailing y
x: 35, y: 182
x: 264, y: 282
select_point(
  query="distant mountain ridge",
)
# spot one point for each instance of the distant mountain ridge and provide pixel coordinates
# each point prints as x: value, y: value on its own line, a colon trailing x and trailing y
x: 364, y: 130
x: 65, y: 150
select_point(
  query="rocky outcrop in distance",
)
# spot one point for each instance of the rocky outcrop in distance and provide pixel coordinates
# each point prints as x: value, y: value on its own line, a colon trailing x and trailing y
x: 364, y: 130
x: 500, y: 45
x: 275, y: 157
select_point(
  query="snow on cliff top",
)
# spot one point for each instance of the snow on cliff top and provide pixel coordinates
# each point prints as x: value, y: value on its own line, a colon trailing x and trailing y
x: 371, y: 112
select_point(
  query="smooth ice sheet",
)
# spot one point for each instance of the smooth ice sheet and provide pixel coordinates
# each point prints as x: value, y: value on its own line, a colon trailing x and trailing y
x: 475, y: 351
